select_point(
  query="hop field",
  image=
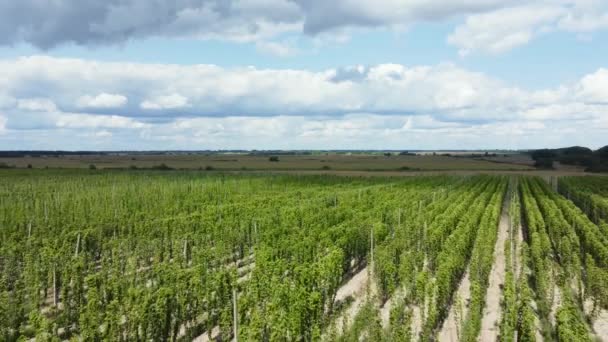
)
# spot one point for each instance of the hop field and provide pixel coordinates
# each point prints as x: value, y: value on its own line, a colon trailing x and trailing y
x: 183, y: 256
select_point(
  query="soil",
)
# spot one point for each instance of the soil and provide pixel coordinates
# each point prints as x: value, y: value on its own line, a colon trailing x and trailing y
x: 458, y: 311
x: 355, y: 288
x: 493, y: 310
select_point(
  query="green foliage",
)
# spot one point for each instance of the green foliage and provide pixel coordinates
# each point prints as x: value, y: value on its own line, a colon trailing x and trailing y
x: 570, y: 324
x: 152, y: 255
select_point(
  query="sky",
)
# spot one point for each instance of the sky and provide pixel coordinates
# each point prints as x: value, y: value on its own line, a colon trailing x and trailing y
x: 303, y: 74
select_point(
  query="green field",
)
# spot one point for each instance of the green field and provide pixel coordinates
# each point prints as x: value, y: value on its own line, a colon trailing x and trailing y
x: 100, y: 255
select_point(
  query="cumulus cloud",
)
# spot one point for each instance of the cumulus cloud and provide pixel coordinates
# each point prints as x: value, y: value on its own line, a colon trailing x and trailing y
x: 215, y: 107
x: 37, y: 105
x: 490, y: 26
x: 80, y: 120
x: 350, y: 74
x: 172, y: 101
x: 3, y: 121
x: 585, y: 16
x: 321, y: 15
x: 503, y: 29
x: 102, y: 100
x: 351, y: 131
x: 7, y: 101
x: 161, y: 90
x: 50, y: 23
x: 194, y: 90
x: 595, y: 86
x: 365, y: 131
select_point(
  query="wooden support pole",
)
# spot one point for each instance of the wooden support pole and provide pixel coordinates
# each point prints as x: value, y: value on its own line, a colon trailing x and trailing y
x: 77, y: 245
x: 235, y: 315
x: 371, y: 252
x: 55, y: 288
x: 186, y: 250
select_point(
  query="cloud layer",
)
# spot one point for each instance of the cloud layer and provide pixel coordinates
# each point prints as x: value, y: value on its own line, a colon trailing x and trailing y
x: 489, y: 26
x: 505, y: 28
x: 47, y: 24
x: 125, y: 105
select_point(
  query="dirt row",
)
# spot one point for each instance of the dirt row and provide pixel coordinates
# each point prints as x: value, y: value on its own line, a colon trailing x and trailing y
x: 492, y: 313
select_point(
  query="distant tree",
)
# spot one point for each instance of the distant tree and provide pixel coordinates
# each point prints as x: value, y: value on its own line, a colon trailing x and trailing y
x: 544, y: 163
x: 273, y: 158
x: 209, y: 168
x: 598, y: 161
x: 576, y: 155
x: 92, y: 167
x: 387, y: 154
x: 602, y: 153
x: 326, y: 167
x: 29, y: 166
x: 543, y: 154
x: 576, y: 150
x: 162, y: 167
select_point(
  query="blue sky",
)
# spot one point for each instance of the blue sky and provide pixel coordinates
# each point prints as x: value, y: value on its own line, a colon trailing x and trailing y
x: 254, y: 74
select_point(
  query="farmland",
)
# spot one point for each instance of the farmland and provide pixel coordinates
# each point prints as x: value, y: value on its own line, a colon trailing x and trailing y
x: 326, y: 161
x: 145, y: 255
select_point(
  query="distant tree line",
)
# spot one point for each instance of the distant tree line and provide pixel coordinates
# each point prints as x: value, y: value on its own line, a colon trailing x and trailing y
x: 593, y: 161
x: 20, y: 154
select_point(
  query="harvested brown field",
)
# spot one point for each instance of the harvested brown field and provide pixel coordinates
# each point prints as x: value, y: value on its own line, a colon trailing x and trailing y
x: 234, y: 162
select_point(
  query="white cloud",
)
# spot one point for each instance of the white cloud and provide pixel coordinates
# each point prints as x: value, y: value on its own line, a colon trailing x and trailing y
x: 505, y: 28
x: 490, y: 26
x: 37, y: 105
x: 103, y: 134
x: 78, y: 120
x: 275, y: 48
x: 211, y: 90
x: 160, y: 90
x: 367, y: 131
x: 173, y: 101
x: 566, y: 112
x: 7, y: 101
x: 585, y: 16
x: 3, y: 121
x: 594, y: 87
x: 214, y: 107
x: 102, y: 100
x: 322, y: 15
x: 50, y: 23
x: 352, y: 131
